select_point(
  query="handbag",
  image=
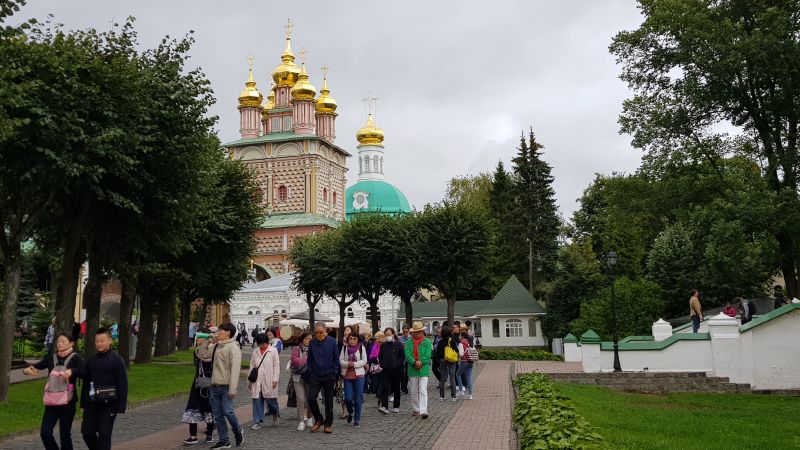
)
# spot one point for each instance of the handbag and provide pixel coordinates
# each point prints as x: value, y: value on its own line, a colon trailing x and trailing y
x: 105, y: 394
x: 57, y: 391
x: 375, y: 369
x: 291, y: 395
x: 253, y: 377
x: 450, y: 355
x: 202, y: 381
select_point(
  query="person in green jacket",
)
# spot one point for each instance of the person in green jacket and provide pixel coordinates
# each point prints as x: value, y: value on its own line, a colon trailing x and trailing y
x: 418, y: 358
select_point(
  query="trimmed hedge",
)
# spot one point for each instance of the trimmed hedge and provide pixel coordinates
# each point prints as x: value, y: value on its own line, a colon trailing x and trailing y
x: 518, y: 355
x: 546, y: 419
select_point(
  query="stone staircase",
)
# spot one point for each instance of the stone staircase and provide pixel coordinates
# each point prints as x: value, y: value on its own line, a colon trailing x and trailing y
x: 654, y: 382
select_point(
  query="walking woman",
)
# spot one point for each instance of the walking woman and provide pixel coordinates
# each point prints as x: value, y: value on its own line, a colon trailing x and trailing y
x: 64, y: 366
x: 353, y: 359
x: 464, y: 372
x: 391, y: 358
x: 299, y: 371
x: 198, y: 408
x: 447, y: 368
x: 265, y: 389
x: 346, y: 332
x: 418, y: 360
x: 374, y: 367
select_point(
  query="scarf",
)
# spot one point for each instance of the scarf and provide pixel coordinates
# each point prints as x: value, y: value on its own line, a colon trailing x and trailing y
x: 351, y: 350
x: 376, y: 348
x: 416, y: 346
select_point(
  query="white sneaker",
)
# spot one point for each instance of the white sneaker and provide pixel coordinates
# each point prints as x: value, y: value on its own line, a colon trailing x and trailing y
x: 469, y: 397
x: 255, y: 426
x: 310, y: 421
x: 383, y: 410
x: 454, y: 399
x: 396, y: 410
x: 301, y: 426
x: 441, y: 399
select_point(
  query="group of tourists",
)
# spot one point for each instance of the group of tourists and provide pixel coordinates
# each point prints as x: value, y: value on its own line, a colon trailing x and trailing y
x: 387, y: 365
x: 104, y: 392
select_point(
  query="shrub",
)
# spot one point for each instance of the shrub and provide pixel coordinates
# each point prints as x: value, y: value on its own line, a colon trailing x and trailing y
x: 546, y: 419
x: 518, y: 355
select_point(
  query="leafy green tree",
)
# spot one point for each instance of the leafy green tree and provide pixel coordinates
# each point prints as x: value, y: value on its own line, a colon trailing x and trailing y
x: 403, y: 275
x: 452, y: 249
x: 312, y: 275
x: 698, y: 66
x: 638, y: 306
x: 537, y: 209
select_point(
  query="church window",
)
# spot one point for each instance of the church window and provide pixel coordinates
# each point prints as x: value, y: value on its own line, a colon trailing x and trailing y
x: 495, y: 328
x: 283, y: 311
x: 287, y: 123
x: 531, y: 327
x: 249, y: 313
x: 283, y: 193
x: 350, y: 312
x: 513, y: 328
x: 325, y: 195
x: 276, y: 125
x: 375, y: 163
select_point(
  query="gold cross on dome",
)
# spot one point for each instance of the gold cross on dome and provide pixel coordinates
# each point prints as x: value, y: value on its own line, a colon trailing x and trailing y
x: 371, y: 102
x: 288, y: 27
x: 324, y: 69
x: 250, y: 61
x: 303, y: 55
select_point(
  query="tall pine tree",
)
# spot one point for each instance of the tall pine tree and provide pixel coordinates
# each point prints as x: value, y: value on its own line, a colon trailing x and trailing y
x: 536, y: 209
x: 508, y: 250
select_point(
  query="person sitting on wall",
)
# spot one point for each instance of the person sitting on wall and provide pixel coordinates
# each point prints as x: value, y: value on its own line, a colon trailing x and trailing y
x: 729, y: 310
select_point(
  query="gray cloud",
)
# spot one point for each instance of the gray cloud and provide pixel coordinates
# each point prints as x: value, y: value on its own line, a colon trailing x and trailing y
x: 458, y: 81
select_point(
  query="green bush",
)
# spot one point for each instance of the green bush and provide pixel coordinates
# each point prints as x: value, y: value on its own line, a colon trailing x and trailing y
x: 518, y: 355
x: 546, y: 419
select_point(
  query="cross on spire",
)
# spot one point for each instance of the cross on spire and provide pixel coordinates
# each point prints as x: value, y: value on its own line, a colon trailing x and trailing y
x: 288, y: 27
x: 303, y: 55
x: 324, y: 69
x: 250, y: 62
x: 371, y: 102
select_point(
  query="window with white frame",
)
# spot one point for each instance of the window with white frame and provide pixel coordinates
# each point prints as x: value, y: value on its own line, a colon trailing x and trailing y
x: 513, y: 328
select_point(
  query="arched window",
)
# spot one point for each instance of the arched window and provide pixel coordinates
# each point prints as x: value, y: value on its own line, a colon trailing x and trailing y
x: 495, y: 328
x: 249, y: 313
x: 325, y: 195
x: 375, y: 163
x: 283, y: 193
x: 513, y: 328
x: 275, y: 312
x: 369, y: 313
x: 350, y: 312
x: 283, y: 311
x: 366, y: 164
x: 532, y: 327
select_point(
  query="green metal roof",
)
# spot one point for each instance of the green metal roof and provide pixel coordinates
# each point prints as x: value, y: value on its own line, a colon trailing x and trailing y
x: 296, y: 220
x: 382, y: 198
x: 570, y: 338
x: 284, y: 136
x: 655, y: 345
x: 590, y: 337
x: 511, y: 299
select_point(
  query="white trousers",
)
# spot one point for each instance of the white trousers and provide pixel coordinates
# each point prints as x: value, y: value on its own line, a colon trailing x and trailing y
x: 418, y: 391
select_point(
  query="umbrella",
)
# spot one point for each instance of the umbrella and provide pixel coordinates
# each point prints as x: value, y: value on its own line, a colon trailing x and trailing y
x: 317, y: 316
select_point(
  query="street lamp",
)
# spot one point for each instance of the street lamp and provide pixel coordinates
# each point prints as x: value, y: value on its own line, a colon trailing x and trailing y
x: 611, y: 261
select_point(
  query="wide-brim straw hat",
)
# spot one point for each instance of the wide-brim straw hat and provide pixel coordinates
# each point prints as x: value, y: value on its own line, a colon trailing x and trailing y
x: 417, y: 326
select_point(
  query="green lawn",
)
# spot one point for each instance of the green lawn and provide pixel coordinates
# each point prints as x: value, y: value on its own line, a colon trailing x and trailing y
x: 24, y: 410
x: 689, y: 421
x: 180, y: 356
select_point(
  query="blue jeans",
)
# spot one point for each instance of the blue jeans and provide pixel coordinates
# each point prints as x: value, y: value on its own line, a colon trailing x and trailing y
x: 695, y: 323
x: 258, y: 408
x: 222, y: 408
x: 353, y: 397
x: 465, y: 372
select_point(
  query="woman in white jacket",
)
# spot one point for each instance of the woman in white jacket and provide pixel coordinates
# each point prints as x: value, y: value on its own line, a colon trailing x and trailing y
x: 265, y: 388
x: 353, y: 360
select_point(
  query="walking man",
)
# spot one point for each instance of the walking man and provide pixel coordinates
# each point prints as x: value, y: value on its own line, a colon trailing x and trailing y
x: 105, y: 393
x: 418, y: 360
x: 695, y: 310
x: 226, y: 359
x: 323, y: 368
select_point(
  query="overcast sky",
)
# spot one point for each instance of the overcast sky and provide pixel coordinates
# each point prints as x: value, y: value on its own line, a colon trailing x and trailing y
x: 457, y: 81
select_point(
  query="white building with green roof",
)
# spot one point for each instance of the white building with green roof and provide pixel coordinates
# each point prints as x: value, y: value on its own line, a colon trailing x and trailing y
x: 513, y: 318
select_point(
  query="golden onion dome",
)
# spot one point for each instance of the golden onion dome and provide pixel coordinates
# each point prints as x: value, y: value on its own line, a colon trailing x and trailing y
x: 250, y: 96
x: 287, y: 72
x: 325, y: 103
x: 370, y: 134
x: 303, y: 89
x: 270, y: 102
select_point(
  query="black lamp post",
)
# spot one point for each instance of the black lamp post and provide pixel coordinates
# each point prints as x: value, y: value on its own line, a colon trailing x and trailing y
x: 611, y: 261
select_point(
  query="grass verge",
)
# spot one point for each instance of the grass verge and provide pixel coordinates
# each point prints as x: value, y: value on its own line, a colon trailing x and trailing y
x: 518, y: 355
x: 23, y: 412
x: 688, y: 421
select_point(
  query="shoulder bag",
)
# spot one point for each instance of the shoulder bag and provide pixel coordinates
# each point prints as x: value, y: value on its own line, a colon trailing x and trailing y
x: 253, y: 376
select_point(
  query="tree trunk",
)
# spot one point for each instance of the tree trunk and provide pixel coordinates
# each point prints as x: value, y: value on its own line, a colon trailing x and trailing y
x: 409, y: 311
x: 451, y: 310
x: 788, y: 268
x: 186, y: 313
x: 91, y: 301
x: 70, y: 270
x: 13, y: 269
x: 144, y: 347
x: 126, y: 302
x: 173, y: 334
x: 166, y: 305
x: 342, y: 312
x: 311, y: 304
x: 373, y: 303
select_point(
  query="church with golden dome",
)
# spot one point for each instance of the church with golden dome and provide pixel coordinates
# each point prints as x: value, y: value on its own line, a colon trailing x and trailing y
x: 288, y: 141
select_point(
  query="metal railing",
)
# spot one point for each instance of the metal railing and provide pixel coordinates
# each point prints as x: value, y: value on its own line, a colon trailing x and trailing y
x: 18, y: 351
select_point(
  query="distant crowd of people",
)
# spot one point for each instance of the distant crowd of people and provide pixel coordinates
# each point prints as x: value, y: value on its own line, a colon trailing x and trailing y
x: 745, y: 309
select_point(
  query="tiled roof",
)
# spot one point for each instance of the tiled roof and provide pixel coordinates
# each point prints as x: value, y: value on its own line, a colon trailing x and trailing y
x: 512, y: 298
x: 276, y: 284
x: 297, y: 220
x: 283, y: 136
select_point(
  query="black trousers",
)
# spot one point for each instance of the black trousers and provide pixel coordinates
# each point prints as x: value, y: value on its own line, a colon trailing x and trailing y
x: 391, y: 383
x: 64, y: 416
x: 193, y: 429
x: 327, y: 385
x: 404, y: 380
x: 97, y: 426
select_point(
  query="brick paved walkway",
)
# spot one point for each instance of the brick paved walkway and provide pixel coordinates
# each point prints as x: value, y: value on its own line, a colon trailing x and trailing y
x: 521, y: 367
x: 158, y: 426
x: 485, y: 422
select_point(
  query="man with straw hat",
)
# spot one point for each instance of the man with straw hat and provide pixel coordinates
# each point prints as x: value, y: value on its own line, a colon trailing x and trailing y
x: 418, y: 358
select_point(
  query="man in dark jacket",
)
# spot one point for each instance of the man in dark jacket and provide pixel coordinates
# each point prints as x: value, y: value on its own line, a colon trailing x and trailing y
x: 323, y: 368
x: 104, y: 394
x: 392, y: 358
